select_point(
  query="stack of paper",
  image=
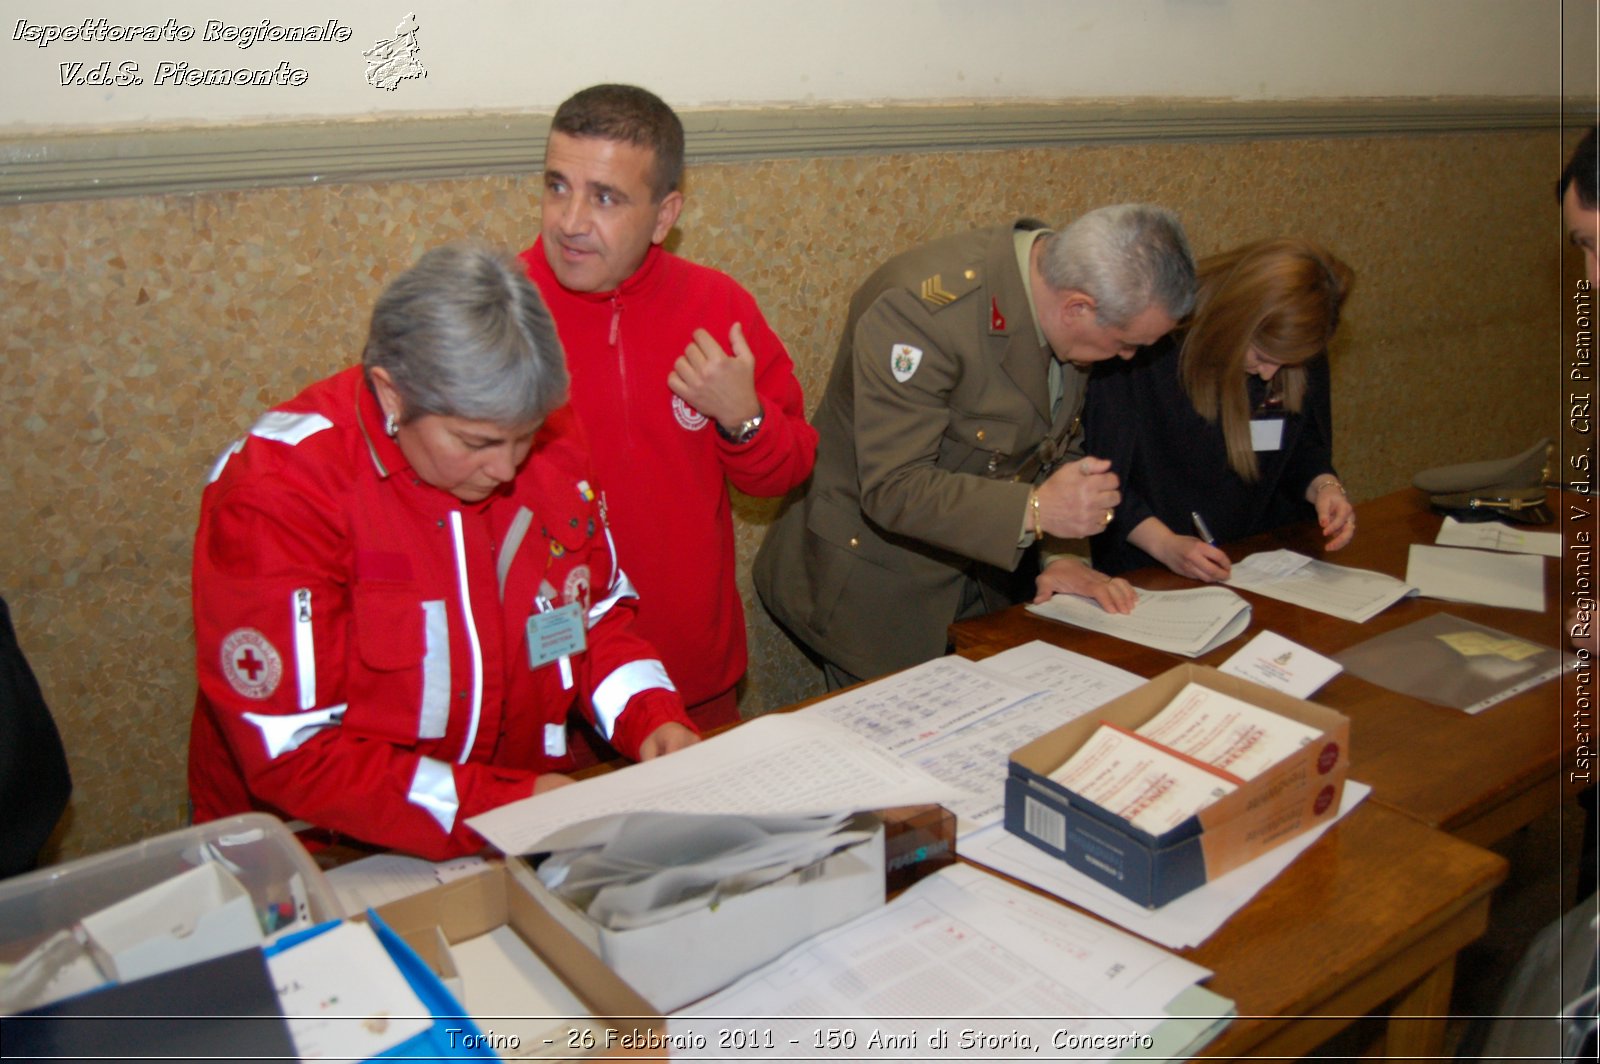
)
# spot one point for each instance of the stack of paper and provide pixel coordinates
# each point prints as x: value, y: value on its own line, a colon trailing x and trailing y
x: 1180, y: 622
x: 962, y: 967
x: 1199, y: 748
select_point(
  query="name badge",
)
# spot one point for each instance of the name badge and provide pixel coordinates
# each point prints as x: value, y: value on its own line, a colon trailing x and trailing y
x: 1266, y: 434
x: 555, y: 634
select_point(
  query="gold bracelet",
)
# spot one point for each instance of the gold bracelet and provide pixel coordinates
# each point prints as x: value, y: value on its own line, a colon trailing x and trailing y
x: 1033, y: 503
x: 1331, y: 482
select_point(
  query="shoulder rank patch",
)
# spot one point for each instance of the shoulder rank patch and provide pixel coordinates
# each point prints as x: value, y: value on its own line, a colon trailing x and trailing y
x: 936, y: 293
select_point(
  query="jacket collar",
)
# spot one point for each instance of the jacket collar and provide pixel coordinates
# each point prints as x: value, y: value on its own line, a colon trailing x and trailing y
x: 1016, y: 345
x: 639, y: 281
x: 387, y: 458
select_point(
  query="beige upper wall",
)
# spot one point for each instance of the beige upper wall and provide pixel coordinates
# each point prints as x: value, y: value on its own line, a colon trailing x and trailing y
x: 527, y: 55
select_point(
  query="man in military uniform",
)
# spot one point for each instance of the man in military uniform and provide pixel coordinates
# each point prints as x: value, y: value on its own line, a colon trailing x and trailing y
x: 953, y: 403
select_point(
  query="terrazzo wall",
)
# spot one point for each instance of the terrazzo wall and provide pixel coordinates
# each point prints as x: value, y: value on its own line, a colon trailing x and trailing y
x: 140, y: 335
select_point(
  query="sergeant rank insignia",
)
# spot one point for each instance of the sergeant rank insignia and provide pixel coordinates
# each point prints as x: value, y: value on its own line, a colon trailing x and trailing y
x: 933, y: 291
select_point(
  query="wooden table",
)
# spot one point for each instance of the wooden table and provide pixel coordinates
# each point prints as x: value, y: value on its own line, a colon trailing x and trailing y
x: 1479, y: 777
x: 1372, y: 914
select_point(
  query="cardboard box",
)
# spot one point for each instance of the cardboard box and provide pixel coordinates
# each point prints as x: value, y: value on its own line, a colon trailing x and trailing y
x: 192, y: 917
x: 682, y: 960
x: 451, y: 927
x: 1294, y: 795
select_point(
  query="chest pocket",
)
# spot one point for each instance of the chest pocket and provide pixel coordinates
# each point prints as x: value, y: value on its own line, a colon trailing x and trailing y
x: 985, y: 445
x: 400, y: 687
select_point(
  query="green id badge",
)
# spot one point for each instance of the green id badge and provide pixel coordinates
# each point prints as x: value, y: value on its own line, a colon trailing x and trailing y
x: 555, y: 634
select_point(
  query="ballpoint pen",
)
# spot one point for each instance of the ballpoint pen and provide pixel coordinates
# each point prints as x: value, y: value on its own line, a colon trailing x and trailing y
x: 1200, y: 527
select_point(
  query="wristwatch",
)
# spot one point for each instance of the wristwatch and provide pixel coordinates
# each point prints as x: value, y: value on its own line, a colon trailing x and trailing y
x: 744, y: 433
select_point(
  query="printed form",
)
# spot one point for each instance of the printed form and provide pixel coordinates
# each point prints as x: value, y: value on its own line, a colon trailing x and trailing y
x: 1188, y: 622
x: 961, y: 966
x: 978, y: 713
x: 1352, y: 594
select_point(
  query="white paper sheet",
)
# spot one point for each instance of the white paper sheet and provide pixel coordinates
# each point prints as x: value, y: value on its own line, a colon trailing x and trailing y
x: 780, y: 763
x: 1182, y: 922
x: 1273, y: 661
x: 961, y: 955
x: 1188, y: 622
x: 343, y: 996
x: 1496, y: 535
x: 1352, y: 594
x: 1515, y: 581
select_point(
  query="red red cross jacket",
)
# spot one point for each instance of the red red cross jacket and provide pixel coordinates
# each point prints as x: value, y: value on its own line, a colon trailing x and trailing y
x: 371, y: 649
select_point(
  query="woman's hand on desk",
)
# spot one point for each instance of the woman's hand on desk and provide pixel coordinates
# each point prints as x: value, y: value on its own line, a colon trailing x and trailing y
x: 1071, y: 576
x: 1334, y: 512
x: 666, y: 739
x: 1184, y: 555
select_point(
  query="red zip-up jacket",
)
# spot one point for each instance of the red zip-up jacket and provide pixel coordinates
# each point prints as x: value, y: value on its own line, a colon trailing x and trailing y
x: 665, y: 468
x: 363, y: 638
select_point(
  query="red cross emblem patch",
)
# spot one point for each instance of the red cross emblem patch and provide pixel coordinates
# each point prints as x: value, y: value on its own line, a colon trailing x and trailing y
x: 251, y: 663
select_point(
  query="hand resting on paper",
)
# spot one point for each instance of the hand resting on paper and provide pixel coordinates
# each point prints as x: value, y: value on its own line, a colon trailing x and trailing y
x: 1072, y: 576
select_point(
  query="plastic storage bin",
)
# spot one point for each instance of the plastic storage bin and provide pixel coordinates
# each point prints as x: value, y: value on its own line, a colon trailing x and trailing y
x: 286, y: 888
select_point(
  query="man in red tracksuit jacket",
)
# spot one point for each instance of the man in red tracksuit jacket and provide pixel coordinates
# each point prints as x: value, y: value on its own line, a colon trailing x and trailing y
x: 682, y: 386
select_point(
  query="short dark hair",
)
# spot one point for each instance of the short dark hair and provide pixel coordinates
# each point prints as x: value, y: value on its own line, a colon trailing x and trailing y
x: 1584, y: 170
x: 633, y: 115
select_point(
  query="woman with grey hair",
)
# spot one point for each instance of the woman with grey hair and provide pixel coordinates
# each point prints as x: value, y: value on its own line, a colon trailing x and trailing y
x: 403, y: 581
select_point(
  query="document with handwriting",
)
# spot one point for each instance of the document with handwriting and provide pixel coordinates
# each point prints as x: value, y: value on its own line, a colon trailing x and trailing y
x: 1352, y: 594
x: 1188, y: 622
x: 960, y: 720
x: 1496, y: 535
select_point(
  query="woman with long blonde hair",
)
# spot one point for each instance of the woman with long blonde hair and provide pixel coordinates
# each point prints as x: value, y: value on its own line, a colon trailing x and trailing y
x: 1224, y: 429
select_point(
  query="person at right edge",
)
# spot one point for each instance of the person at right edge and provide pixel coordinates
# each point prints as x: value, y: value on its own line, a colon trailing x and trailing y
x: 949, y: 435
x: 1228, y: 418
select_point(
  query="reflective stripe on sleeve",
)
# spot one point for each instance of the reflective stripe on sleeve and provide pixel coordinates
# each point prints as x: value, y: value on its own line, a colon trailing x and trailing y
x: 614, y: 692
x: 434, y: 714
x: 281, y: 733
x: 621, y: 588
x: 433, y: 787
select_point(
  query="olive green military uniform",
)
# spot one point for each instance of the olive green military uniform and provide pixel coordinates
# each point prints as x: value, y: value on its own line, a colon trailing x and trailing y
x: 937, y: 418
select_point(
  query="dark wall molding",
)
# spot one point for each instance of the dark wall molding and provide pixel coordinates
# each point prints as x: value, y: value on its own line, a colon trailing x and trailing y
x: 90, y: 165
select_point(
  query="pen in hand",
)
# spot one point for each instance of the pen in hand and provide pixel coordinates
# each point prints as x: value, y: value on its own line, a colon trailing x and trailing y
x: 1201, y: 529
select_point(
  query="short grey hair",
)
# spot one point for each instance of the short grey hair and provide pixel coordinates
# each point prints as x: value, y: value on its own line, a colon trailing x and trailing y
x: 464, y: 333
x: 1127, y: 258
